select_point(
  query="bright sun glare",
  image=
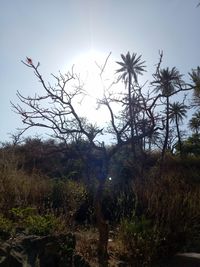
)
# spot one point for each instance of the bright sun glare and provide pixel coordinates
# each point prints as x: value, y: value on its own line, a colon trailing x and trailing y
x: 89, y: 66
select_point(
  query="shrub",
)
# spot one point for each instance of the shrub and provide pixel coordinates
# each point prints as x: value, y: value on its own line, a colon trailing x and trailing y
x: 140, y: 240
x: 173, y: 204
x: 67, y: 197
x: 22, y: 213
x: 18, y: 188
x: 41, y: 225
x: 28, y: 220
x: 6, y: 227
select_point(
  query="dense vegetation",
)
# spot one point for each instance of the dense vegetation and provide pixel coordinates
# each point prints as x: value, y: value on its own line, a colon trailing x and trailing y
x: 48, y: 188
x: 144, y: 187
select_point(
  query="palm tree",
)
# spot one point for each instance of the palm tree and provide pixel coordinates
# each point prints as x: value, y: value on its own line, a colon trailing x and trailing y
x: 166, y: 82
x: 194, y: 122
x: 177, y: 112
x: 131, y: 67
x: 195, y: 76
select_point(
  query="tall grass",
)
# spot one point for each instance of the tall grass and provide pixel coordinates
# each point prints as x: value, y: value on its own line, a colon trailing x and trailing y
x: 167, y: 213
x: 21, y: 189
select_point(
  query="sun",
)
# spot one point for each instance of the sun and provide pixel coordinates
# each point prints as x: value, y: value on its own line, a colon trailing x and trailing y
x: 95, y: 70
x: 89, y: 65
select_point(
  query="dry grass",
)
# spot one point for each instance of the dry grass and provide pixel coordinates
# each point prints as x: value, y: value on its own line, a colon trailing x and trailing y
x: 86, y: 246
x: 21, y: 189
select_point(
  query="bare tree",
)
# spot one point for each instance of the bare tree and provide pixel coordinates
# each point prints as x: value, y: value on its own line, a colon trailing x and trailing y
x: 55, y: 109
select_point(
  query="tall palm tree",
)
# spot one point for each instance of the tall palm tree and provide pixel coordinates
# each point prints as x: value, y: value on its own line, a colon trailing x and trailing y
x: 131, y: 67
x: 177, y: 112
x: 166, y: 82
x: 195, y: 76
x: 194, y: 122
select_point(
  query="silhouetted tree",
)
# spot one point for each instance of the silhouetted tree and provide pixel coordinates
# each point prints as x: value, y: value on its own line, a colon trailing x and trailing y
x: 177, y: 112
x: 167, y: 82
x: 55, y: 109
x: 194, y: 122
x: 195, y: 76
x: 61, y: 117
x: 131, y: 67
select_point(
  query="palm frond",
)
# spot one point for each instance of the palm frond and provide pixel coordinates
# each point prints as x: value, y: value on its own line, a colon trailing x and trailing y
x: 177, y: 111
x: 167, y: 80
x: 132, y: 65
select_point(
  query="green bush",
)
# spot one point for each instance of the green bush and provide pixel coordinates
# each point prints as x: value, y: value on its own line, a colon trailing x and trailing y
x: 28, y: 220
x: 6, y: 227
x: 22, y: 213
x: 41, y: 225
x: 172, y: 202
x: 67, y: 197
x: 140, y: 240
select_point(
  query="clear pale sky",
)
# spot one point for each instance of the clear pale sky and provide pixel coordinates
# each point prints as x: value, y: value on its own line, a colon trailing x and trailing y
x: 55, y: 32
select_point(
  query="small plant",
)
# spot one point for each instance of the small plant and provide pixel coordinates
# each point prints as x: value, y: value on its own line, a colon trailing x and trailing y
x: 140, y: 240
x: 19, y: 216
x: 67, y: 197
x: 22, y: 213
x: 41, y: 225
x: 6, y: 227
x: 28, y: 220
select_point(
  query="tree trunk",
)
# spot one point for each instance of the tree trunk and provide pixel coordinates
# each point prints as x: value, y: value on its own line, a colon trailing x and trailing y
x: 167, y: 131
x: 179, y: 136
x: 102, y: 226
x: 131, y: 112
x: 166, y: 139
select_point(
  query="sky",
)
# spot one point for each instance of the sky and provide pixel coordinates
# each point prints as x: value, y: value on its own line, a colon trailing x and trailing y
x: 59, y: 33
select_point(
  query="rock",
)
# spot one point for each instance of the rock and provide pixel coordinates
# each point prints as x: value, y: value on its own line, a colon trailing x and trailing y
x: 122, y: 264
x: 185, y: 260
x: 38, y: 251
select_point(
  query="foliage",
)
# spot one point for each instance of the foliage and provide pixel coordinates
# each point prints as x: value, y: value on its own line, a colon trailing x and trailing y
x: 119, y: 198
x: 22, y: 213
x: 173, y: 202
x: 19, y: 188
x: 141, y: 240
x: 50, y: 175
x: 194, y: 122
x: 6, y: 227
x: 191, y: 146
x: 169, y: 213
x: 177, y: 111
x: 49, y: 158
x: 160, y: 214
x: 131, y: 66
x: 67, y: 197
x: 42, y: 225
x: 167, y: 80
x: 28, y: 220
x: 195, y: 77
